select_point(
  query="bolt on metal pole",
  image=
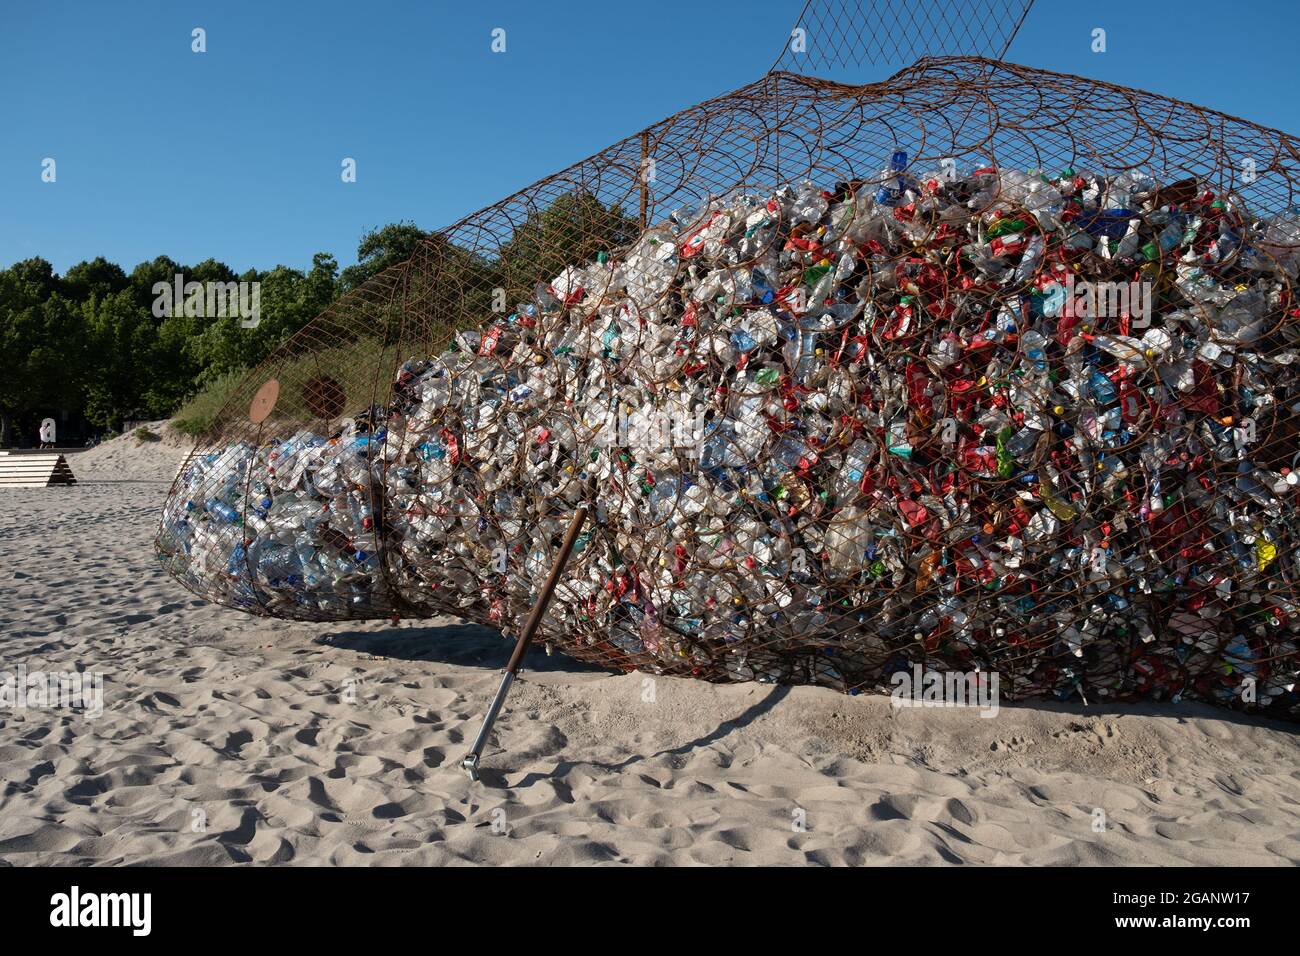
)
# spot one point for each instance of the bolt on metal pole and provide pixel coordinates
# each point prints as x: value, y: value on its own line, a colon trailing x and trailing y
x: 470, y: 763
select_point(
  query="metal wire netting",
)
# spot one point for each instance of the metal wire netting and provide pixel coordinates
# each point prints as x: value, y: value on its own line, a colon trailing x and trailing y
x: 840, y: 36
x: 980, y: 368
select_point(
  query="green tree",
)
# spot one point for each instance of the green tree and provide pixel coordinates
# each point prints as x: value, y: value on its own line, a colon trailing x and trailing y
x: 379, y: 249
x: 42, y: 347
x: 573, y: 229
x: 96, y: 278
x: 124, y: 376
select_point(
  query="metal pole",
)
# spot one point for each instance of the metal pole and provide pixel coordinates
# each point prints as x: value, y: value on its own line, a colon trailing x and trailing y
x: 645, y: 186
x: 470, y: 763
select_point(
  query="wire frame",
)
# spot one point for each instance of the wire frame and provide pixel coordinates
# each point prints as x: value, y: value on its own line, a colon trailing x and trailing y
x: 849, y: 506
x: 835, y: 37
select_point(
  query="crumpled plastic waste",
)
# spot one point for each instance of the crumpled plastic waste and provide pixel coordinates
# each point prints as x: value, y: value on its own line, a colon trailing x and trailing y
x: 1039, y: 424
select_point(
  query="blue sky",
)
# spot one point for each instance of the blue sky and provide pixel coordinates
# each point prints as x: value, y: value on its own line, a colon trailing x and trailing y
x: 235, y: 153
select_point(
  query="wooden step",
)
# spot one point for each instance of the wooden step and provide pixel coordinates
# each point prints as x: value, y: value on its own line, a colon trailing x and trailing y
x: 41, y: 469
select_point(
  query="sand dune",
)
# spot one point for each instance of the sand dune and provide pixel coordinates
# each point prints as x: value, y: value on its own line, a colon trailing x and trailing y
x: 225, y: 738
x: 128, y: 458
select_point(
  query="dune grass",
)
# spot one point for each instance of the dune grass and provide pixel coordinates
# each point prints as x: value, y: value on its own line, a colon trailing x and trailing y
x: 197, y: 415
x: 362, y: 370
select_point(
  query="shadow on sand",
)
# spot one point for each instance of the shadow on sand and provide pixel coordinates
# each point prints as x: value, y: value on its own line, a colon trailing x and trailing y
x: 467, y: 645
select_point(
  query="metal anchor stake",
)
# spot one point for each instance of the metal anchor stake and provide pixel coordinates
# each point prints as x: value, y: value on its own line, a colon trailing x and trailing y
x: 470, y: 763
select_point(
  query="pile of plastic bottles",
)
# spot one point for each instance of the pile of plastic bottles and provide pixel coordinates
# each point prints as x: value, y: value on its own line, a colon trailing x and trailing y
x: 1038, y: 424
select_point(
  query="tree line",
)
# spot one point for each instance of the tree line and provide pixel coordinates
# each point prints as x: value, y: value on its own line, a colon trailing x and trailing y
x: 89, y: 344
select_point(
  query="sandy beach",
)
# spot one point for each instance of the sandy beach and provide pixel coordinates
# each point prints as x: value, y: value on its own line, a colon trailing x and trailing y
x: 225, y: 738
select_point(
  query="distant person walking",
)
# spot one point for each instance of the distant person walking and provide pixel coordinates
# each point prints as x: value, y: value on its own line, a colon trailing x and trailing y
x: 47, y: 433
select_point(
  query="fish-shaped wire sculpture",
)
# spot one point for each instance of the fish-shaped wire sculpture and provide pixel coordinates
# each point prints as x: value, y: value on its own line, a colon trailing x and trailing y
x: 983, y: 368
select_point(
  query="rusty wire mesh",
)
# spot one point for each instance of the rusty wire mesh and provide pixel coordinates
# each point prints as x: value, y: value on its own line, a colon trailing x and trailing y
x: 901, y: 446
x: 836, y: 37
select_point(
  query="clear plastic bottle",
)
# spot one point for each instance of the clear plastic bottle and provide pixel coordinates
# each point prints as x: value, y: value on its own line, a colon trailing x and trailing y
x: 848, y: 482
